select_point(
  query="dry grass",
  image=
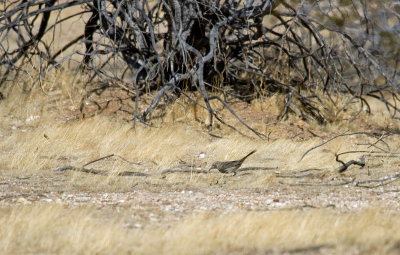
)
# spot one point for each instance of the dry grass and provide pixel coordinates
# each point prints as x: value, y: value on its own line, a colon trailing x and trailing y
x: 55, y: 229
x: 254, y: 212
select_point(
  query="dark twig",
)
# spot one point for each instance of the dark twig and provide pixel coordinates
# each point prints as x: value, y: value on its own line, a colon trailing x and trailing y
x: 346, y: 165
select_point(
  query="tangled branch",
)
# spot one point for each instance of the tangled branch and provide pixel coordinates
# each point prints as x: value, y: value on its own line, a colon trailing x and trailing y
x: 240, y: 48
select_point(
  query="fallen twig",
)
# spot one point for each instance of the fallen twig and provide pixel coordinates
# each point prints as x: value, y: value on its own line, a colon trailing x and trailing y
x: 296, y: 175
x: 130, y: 173
x: 344, y: 182
x: 93, y: 161
x: 380, y: 139
x: 180, y: 170
x: 256, y: 168
x: 381, y: 182
x: 349, y: 163
x: 98, y: 172
x: 325, y: 142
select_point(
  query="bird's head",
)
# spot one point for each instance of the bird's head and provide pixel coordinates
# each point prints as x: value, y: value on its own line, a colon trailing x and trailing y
x: 214, y: 166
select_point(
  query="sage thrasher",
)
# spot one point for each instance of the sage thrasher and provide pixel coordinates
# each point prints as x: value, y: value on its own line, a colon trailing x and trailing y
x: 229, y: 166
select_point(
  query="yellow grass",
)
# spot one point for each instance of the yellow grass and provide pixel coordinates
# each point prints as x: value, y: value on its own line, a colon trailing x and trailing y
x: 54, y: 229
x: 31, y: 147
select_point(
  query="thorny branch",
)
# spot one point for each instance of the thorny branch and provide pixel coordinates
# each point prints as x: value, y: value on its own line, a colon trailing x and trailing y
x: 239, y: 48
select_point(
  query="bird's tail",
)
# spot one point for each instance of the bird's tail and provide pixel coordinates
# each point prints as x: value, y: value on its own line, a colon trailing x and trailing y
x: 248, y: 155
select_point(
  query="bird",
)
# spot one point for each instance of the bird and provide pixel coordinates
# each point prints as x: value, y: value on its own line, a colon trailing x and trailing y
x: 229, y: 166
